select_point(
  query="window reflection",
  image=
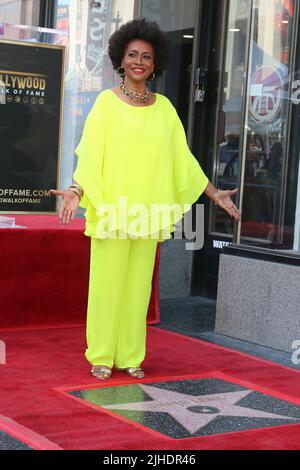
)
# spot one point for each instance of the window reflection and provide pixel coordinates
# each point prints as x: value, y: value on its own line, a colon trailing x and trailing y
x: 266, y: 133
x: 88, y: 68
x: 267, y: 122
x: 232, y: 108
x: 20, y: 12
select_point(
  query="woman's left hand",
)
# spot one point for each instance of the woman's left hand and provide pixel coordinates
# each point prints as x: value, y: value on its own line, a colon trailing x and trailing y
x: 223, y: 200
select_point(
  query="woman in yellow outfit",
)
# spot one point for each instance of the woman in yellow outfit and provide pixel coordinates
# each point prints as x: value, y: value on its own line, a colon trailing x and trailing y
x: 136, y: 177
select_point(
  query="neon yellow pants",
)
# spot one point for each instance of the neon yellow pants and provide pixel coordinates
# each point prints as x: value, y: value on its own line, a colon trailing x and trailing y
x: 120, y: 287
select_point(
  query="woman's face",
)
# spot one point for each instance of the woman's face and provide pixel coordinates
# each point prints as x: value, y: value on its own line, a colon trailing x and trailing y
x: 138, y: 60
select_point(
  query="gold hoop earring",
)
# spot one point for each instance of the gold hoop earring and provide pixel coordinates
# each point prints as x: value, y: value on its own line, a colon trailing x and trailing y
x: 153, y: 76
x: 123, y: 73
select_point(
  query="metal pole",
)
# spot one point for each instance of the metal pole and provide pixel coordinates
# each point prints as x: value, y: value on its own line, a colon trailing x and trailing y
x: 243, y: 144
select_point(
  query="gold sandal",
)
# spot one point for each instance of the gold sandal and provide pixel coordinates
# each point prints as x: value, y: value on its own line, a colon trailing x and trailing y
x: 136, y: 372
x: 101, y: 372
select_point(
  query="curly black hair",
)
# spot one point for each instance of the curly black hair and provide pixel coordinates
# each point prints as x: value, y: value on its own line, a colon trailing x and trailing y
x: 148, y: 31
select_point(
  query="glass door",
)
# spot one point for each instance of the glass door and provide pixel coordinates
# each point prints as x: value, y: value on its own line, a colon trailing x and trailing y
x: 228, y: 140
x: 251, y: 149
x: 267, y: 122
x: 251, y: 121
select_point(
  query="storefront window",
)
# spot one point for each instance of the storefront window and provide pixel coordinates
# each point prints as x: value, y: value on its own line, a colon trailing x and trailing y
x: 232, y: 95
x: 267, y: 126
x: 20, y: 12
x: 292, y: 206
x: 89, y: 25
x: 260, y: 148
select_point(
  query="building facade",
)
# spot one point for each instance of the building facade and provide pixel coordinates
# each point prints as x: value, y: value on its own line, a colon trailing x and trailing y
x: 234, y: 79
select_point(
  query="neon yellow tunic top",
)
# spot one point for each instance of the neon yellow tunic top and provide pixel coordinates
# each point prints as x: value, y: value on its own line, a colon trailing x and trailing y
x: 136, y: 160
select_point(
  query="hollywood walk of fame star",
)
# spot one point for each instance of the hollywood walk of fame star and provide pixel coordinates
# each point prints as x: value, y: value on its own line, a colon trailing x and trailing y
x: 195, y: 412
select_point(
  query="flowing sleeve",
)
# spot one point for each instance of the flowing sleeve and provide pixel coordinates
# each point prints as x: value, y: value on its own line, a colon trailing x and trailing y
x: 189, y: 179
x: 90, y: 153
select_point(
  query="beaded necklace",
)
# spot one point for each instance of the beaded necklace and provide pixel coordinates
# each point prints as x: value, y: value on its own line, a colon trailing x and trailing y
x: 134, y: 96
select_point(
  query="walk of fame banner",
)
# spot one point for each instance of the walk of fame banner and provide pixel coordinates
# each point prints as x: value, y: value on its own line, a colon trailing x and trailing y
x: 31, y: 100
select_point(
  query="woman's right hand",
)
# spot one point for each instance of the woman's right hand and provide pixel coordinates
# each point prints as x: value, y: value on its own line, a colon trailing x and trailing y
x: 69, y: 205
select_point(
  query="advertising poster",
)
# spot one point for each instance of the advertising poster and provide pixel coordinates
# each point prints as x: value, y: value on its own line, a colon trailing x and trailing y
x: 31, y: 100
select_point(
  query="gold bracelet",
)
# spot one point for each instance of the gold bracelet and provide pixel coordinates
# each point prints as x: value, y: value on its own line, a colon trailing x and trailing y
x: 76, y: 185
x: 77, y: 190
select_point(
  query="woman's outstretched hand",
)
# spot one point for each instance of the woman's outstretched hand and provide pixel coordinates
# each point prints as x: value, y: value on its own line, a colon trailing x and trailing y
x: 223, y: 200
x: 69, y: 205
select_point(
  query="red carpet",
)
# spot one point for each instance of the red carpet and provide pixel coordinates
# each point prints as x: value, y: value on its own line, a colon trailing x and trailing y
x: 46, y: 266
x: 43, y: 364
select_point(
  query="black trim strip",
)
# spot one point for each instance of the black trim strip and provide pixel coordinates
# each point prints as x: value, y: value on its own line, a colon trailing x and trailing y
x: 47, y: 13
x: 253, y: 252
